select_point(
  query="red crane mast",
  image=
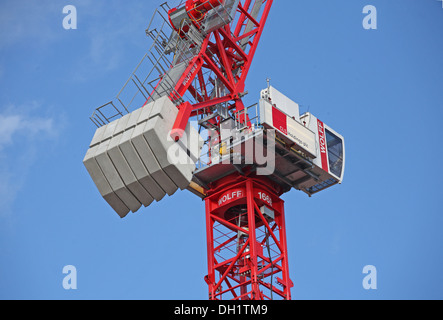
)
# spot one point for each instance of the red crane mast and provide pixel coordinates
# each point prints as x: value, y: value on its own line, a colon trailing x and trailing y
x: 238, y: 233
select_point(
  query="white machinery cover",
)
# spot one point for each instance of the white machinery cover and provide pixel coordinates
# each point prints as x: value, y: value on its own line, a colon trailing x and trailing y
x: 290, y: 129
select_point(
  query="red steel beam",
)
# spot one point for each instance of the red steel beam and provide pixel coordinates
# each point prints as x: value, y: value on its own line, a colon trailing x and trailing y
x: 233, y: 80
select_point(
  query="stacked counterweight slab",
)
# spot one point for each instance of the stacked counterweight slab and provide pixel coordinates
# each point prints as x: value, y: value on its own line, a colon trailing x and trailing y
x: 133, y: 161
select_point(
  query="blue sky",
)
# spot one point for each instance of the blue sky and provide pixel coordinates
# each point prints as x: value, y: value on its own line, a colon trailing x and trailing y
x: 381, y: 89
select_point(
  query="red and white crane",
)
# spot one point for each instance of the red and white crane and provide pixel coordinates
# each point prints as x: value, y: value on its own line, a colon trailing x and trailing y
x: 145, y: 146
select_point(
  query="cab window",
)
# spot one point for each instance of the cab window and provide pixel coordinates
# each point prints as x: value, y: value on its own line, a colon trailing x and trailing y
x: 335, y: 153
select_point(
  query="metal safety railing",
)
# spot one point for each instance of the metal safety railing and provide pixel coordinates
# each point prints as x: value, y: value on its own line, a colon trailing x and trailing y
x: 248, y: 117
x: 162, y: 66
x: 246, y: 123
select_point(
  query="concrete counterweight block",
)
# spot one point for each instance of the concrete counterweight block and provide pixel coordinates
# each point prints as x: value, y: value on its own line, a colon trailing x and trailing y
x: 134, y: 161
x: 138, y: 168
x: 126, y: 173
x: 157, y: 134
x: 102, y: 184
x: 114, y: 178
x: 150, y: 161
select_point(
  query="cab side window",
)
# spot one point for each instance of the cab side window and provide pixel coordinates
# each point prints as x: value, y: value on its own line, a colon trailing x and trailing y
x: 335, y: 153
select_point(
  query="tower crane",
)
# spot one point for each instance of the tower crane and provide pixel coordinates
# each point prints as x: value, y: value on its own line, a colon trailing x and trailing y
x: 180, y: 123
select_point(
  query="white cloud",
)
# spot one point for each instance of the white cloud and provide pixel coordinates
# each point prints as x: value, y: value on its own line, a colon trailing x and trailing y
x: 21, y: 134
x: 8, y: 126
x: 28, y: 128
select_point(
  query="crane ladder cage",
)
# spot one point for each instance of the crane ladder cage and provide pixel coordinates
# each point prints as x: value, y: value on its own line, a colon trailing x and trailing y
x: 247, y: 248
x: 228, y: 244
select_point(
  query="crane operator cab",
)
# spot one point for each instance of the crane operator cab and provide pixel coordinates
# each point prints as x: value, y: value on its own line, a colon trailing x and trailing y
x: 312, y: 155
x: 330, y: 160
